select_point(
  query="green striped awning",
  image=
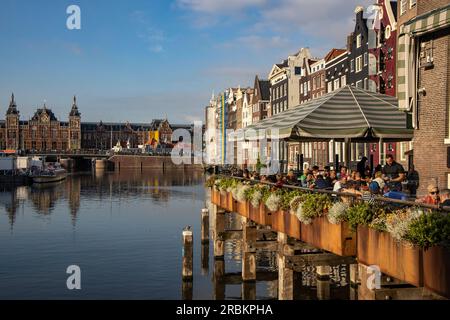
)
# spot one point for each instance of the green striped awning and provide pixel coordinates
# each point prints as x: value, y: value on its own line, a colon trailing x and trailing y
x: 428, y: 22
x: 346, y: 113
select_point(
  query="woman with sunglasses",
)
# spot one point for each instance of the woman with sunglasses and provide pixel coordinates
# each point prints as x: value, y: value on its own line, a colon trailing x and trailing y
x: 433, y: 196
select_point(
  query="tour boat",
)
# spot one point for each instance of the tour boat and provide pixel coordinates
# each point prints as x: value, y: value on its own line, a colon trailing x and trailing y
x: 52, y: 173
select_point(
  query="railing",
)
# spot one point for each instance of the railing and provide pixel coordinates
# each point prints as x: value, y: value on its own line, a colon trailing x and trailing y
x: 439, y: 207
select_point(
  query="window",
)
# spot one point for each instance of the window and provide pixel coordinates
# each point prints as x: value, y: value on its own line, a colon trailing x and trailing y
x: 403, y: 6
x: 404, y: 147
x: 412, y: 3
x: 387, y: 33
x: 358, y: 41
x: 359, y: 84
x: 343, y: 81
x: 298, y: 71
x: 352, y: 65
x: 366, y: 84
x: 336, y: 84
x: 359, y: 64
x: 330, y: 86
x: 366, y: 59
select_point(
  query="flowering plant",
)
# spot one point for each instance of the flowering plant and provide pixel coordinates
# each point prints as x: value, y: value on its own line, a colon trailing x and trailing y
x: 337, y: 212
x: 273, y: 202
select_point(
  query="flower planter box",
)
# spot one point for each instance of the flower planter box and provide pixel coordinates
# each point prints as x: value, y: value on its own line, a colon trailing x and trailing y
x: 242, y: 208
x: 227, y: 202
x: 335, y: 238
x: 436, y: 270
x: 215, y: 196
x: 398, y: 260
x: 260, y: 215
x: 285, y: 222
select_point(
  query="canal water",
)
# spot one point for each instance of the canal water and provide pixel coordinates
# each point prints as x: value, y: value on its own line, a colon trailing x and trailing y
x: 123, y: 229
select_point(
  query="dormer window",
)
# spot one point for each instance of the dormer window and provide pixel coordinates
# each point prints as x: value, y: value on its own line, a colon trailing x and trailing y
x: 358, y: 41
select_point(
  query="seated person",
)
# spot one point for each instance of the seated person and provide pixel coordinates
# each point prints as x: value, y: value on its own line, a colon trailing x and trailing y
x: 433, y: 196
x: 321, y: 183
x: 291, y: 179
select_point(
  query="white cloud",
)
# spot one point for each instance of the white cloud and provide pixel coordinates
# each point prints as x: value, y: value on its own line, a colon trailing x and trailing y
x: 151, y: 35
x: 218, y: 6
x: 256, y: 42
x: 328, y: 19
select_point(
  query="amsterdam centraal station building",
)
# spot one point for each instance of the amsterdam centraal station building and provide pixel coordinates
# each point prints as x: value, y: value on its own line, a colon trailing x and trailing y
x: 44, y: 132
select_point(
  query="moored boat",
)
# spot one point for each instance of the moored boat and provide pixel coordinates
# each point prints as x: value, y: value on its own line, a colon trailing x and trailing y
x: 52, y: 173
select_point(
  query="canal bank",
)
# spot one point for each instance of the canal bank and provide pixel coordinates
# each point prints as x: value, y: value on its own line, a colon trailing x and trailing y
x: 140, y: 162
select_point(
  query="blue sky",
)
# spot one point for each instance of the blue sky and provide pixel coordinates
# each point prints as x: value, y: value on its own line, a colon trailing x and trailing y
x: 139, y: 60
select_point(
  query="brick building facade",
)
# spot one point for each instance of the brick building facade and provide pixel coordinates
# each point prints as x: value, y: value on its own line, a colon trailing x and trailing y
x: 424, y: 85
x: 43, y: 132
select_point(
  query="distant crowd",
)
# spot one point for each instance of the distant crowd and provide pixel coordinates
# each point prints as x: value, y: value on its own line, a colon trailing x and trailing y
x: 389, y: 181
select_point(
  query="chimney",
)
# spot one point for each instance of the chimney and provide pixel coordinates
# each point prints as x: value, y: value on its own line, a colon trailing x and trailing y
x: 350, y: 42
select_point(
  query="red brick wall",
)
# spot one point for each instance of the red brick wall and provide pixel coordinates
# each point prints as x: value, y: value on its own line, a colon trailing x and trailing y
x: 424, y: 6
x: 430, y: 152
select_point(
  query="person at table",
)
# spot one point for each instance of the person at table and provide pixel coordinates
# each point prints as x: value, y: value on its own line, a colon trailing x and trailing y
x: 434, y: 196
x: 393, y: 174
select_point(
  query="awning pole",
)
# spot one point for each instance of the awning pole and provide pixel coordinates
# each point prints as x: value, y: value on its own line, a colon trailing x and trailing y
x: 381, y: 151
x: 348, y: 143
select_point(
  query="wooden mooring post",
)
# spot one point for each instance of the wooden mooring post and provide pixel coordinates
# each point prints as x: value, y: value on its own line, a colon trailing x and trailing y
x: 219, y: 230
x: 188, y: 264
x: 205, y: 226
x: 285, y: 274
x: 249, y: 237
x: 218, y: 279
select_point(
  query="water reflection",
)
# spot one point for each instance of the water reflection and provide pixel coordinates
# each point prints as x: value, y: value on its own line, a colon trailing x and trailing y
x: 115, y: 186
x: 124, y: 230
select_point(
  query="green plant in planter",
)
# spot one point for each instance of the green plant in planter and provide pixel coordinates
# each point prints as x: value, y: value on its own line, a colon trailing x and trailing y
x: 337, y: 212
x: 210, y: 181
x: 287, y: 197
x: 257, y: 195
x: 266, y: 192
x: 249, y: 193
x: 359, y: 214
x: 273, y: 202
x: 314, y: 205
x: 430, y: 230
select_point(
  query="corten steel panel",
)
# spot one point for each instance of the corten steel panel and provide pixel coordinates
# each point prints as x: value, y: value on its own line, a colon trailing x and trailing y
x: 264, y: 216
x: 322, y: 234
x: 215, y: 198
x: 231, y: 205
x: 242, y: 208
x: 285, y: 222
x: 254, y: 214
x: 401, y: 261
x: 436, y: 270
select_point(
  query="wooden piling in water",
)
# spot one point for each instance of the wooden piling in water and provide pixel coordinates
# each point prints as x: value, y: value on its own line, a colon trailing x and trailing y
x: 248, y: 291
x: 187, y: 271
x: 219, y: 230
x: 323, y: 272
x: 205, y: 258
x: 249, y: 236
x: 218, y: 277
x: 186, y: 290
x: 285, y: 274
x: 205, y: 226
